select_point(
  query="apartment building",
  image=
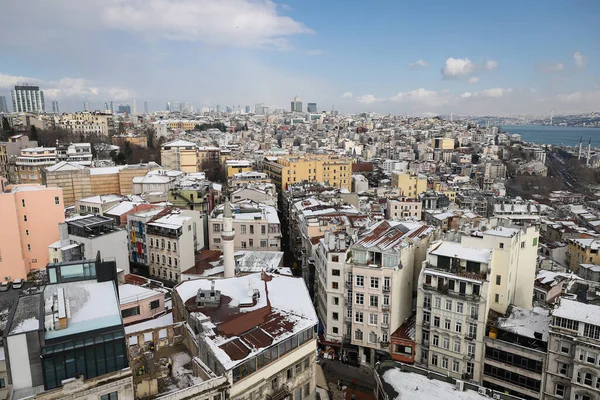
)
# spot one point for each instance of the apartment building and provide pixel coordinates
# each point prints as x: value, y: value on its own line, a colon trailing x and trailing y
x: 583, y: 251
x: 515, y: 353
x: 31, y: 162
x: 411, y: 185
x: 73, y: 178
x: 180, y: 155
x: 332, y: 169
x: 266, y: 347
x: 460, y: 283
x: 257, y: 226
x: 137, y: 232
x: 174, y: 238
x: 402, y: 207
x: 139, y: 303
x: 573, y: 361
x: 84, y: 123
x: 9, y: 151
x: 237, y: 167
x: 382, y: 282
x: 30, y: 218
x: 250, y: 177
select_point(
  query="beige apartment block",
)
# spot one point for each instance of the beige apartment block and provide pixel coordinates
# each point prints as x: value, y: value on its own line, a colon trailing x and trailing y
x: 72, y: 178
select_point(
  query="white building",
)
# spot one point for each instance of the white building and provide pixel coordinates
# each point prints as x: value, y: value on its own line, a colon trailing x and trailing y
x: 28, y: 99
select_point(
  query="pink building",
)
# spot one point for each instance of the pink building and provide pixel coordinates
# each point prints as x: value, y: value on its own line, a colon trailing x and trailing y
x: 139, y: 303
x: 30, y: 215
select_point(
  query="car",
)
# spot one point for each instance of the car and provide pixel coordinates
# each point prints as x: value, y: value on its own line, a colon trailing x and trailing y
x: 4, y: 286
x: 17, y: 284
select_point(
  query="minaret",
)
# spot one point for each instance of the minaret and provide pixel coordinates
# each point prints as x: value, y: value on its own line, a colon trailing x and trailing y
x: 579, y: 155
x: 227, y: 238
x: 587, y: 160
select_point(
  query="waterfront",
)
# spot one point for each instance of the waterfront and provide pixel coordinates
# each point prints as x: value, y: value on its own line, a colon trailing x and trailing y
x: 555, y: 135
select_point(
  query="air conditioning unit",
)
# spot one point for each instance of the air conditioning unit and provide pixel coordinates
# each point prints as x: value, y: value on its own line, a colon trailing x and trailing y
x: 482, y: 391
x: 460, y: 386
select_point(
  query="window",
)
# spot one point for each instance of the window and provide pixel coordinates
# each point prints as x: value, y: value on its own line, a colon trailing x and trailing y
x: 448, y: 305
x: 374, y: 300
x: 436, y: 321
x: 244, y: 245
x: 437, y: 303
x: 251, y: 242
x: 435, y: 341
x: 457, y: 345
x: 289, y: 373
x: 216, y: 227
x: 335, y: 272
x: 130, y: 312
x: 386, y: 283
x: 373, y: 319
x: 25, y: 218
x: 164, y: 259
x: 243, y: 229
x: 335, y: 258
x: 386, y: 300
x: 174, y: 246
x: 471, y: 350
x: 434, y: 359
x: 470, y: 368
x: 374, y: 283
x: 358, y: 335
x: 501, y: 245
x: 523, y: 245
x: 336, y: 301
x: 498, y: 279
x: 385, y: 319
x: 263, y: 243
x: 110, y: 396
x: 263, y: 229
x: 335, y: 316
x: 358, y: 317
x: 360, y: 281
x: 473, y: 330
x: 252, y: 229
x: 335, y: 285
x: 28, y: 247
x: 56, y: 200
x: 562, y: 368
x: 307, y: 390
x: 23, y: 202
x: 372, y: 337
x: 154, y: 304
x: 447, y: 324
x: 2, y: 383
x: 565, y: 347
x: 459, y: 308
x: 559, y: 389
x: 455, y: 366
x: 446, y: 343
x: 445, y: 363
x: 360, y: 298
x: 458, y: 327
x: 497, y: 298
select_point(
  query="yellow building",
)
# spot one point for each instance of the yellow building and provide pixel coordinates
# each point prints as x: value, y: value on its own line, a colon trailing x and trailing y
x: 72, y: 178
x: 32, y: 161
x: 332, y: 169
x: 88, y: 122
x: 583, y: 251
x: 442, y: 143
x: 409, y: 183
x: 180, y: 155
x: 186, y: 125
x: 237, y: 166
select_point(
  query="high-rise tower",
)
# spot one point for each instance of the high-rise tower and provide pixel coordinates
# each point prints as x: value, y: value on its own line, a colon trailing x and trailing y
x: 228, y: 238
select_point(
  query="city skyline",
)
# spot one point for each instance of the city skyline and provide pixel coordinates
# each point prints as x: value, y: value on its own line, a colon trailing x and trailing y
x: 496, y: 59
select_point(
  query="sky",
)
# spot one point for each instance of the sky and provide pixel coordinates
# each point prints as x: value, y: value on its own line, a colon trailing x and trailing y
x: 399, y: 57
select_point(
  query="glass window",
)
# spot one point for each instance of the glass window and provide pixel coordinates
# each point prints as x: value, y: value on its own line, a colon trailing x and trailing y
x: 110, y: 396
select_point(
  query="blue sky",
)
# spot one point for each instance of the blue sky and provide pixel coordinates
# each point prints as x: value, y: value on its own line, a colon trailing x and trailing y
x: 401, y: 57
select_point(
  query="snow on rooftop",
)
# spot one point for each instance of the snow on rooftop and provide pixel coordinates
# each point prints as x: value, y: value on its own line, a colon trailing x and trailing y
x: 159, y: 322
x: 132, y: 293
x: 456, y: 250
x: 27, y: 315
x: 105, y: 170
x: 526, y: 323
x: 122, y: 208
x: 410, y: 385
x: 171, y: 221
x: 569, y: 309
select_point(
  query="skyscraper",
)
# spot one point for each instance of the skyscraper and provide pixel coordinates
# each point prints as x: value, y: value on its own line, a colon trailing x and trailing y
x: 145, y: 107
x: 218, y: 108
x: 86, y: 106
x: 27, y: 98
x: 311, y: 108
x: 297, y: 104
x: 168, y: 108
x: 134, y: 108
x: 55, y: 109
x: 247, y: 109
x: 112, y: 107
x: 3, y: 106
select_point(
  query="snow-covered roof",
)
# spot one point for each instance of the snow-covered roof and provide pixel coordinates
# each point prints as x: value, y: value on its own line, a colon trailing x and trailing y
x: 133, y: 293
x: 179, y: 143
x: 502, y: 231
x: 527, y: 322
x: 27, y: 315
x: 456, y: 250
x: 593, y: 244
x: 121, y: 208
x: 159, y: 322
x: 173, y: 220
x: 66, y: 166
x: 105, y: 170
x: 569, y: 309
x: 101, y: 199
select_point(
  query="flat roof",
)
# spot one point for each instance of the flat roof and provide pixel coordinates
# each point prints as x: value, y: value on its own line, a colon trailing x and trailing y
x: 27, y: 315
x: 132, y: 293
x: 456, y: 250
x: 574, y: 310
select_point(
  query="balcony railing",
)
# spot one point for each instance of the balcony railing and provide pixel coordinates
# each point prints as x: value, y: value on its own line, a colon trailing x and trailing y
x: 385, y: 307
x: 279, y: 394
x: 386, y: 289
x: 385, y: 325
x: 385, y: 344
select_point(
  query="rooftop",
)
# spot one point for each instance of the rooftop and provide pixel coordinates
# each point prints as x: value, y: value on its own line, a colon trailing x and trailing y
x: 456, y: 250
x: 132, y: 293
x: 527, y: 323
x: 27, y: 315
x: 574, y: 310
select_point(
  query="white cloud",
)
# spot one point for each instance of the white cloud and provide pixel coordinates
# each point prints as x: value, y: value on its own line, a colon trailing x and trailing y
x: 467, y: 95
x: 423, y: 96
x: 590, y: 97
x: 456, y: 68
x: 579, y: 60
x: 368, y: 99
x: 495, y: 92
x: 9, y: 81
x: 347, y: 95
x: 418, y: 64
x: 552, y: 68
x: 473, y: 79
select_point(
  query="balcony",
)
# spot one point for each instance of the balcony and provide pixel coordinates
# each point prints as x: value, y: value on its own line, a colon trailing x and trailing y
x: 386, y: 289
x: 425, y: 343
x: 348, y: 284
x: 384, y: 345
x: 279, y: 394
x: 385, y: 325
x: 385, y: 307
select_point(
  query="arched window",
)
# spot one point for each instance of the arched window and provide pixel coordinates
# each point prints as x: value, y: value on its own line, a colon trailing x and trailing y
x: 170, y: 275
x: 164, y: 259
x: 170, y: 260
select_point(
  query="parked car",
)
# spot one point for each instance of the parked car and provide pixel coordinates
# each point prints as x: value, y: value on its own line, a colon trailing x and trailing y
x: 17, y: 284
x: 4, y: 286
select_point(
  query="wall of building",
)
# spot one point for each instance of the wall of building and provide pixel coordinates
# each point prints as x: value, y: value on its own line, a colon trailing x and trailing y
x: 105, y: 183
x: 75, y: 184
x: 110, y: 245
x: 144, y: 304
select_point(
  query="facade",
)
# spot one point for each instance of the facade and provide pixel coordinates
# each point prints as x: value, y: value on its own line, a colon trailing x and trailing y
x: 72, y: 178
x: 237, y: 167
x: 28, y: 99
x: 296, y: 105
x: 30, y: 218
x: 281, y: 364
x: 410, y: 184
x: 403, y: 208
x: 257, y: 226
x: 32, y: 161
x: 139, y: 303
x: 180, y: 155
x: 9, y: 151
x: 80, y: 153
x: 334, y: 170
x: 3, y: 105
x: 174, y: 239
x: 460, y: 283
x: 572, y: 361
x: 583, y: 251
x: 250, y: 177
x: 86, y: 122
x: 311, y: 108
x: 138, y: 239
